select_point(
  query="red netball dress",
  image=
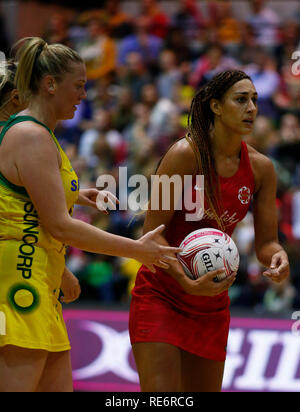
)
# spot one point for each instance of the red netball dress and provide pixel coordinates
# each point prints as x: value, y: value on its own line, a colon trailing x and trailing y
x: 160, y: 309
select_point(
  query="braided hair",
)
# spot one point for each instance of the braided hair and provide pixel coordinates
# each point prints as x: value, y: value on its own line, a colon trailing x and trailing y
x: 200, y: 124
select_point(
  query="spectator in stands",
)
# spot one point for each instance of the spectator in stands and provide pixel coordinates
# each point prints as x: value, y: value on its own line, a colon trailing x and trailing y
x: 287, y: 97
x: 290, y: 36
x: 279, y: 299
x: 142, y: 157
x: 264, y: 135
x: 287, y: 152
x: 134, y: 74
x: 102, y: 145
x: 296, y: 214
x: 97, y: 276
x: 289, y: 131
x: 227, y: 28
x: 69, y: 131
x: 98, y: 50
x: 188, y: 18
x: 176, y: 42
x: 158, y: 20
x: 162, y: 110
x: 58, y: 30
x: 212, y: 62
x: 103, y: 95
x: 142, y: 42
x: 123, y: 111
x: 120, y: 22
x: 170, y: 74
x: 265, y: 79
x: 265, y: 23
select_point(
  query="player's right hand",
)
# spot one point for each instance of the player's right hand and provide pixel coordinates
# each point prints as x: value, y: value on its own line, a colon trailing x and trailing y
x: 151, y: 253
x: 207, y: 285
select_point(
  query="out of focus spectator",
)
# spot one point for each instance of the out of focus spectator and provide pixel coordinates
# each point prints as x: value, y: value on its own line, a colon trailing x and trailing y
x: 102, y: 95
x: 212, y: 62
x: 264, y: 23
x: 142, y: 42
x: 265, y: 79
x: 129, y: 269
x: 264, y: 136
x: 162, y: 110
x: 289, y: 131
x: 98, y: 278
x: 120, y: 23
x: 88, y: 139
x: 170, y: 74
x: 123, y: 111
x: 134, y: 74
x: 287, y: 96
x: 188, y: 19
x: 69, y: 131
x: 58, y: 30
x: 142, y: 158
x: 102, y: 145
x: 282, y: 154
x: 279, y: 298
x: 227, y: 29
x: 109, y: 140
x: 98, y: 50
x: 296, y: 215
x: 176, y: 42
x: 290, y: 35
x: 287, y: 152
x: 250, y: 286
x: 158, y: 20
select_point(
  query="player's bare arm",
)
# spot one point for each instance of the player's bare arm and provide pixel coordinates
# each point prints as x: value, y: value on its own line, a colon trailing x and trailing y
x: 269, y: 252
x: 47, y: 194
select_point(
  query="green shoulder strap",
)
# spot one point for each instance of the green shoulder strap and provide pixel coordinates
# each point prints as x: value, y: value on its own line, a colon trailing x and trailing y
x: 14, y: 119
x: 7, y: 125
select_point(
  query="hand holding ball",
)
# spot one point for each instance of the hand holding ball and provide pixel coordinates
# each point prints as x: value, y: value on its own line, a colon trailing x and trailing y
x: 206, y: 250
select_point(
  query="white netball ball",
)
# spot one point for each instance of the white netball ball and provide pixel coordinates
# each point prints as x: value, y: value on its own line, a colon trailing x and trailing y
x: 206, y: 250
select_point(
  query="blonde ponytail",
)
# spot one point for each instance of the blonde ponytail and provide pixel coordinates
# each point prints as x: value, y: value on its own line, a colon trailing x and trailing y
x: 26, y: 56
x: 37, y: 59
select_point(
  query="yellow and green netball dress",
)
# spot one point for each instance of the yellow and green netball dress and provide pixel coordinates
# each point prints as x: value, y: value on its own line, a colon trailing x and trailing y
x: 31, y: 264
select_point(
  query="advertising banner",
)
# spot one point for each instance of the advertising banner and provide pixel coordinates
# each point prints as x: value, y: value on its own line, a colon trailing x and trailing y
x: 263, y: 354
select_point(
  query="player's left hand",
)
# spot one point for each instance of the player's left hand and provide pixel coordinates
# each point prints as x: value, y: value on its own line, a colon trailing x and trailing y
x: 70, y: 287
x: 98, y: 199
x: 279, y: 269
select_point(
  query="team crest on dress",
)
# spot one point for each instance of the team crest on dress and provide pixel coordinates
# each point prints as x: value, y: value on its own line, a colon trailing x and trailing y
x: 244, y: 195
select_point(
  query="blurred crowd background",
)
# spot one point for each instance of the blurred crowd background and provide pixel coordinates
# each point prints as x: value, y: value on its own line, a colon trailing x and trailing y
x: 143, y: 70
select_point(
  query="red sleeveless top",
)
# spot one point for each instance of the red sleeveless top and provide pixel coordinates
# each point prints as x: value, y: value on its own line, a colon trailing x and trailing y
x: 235, y: 198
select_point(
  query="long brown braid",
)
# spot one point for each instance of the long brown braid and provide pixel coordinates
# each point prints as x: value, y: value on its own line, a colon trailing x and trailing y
x: 200, y: 124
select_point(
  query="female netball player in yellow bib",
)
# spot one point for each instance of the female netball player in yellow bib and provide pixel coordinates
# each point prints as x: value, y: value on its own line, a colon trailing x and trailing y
x: 9, y: 105
x: 38, y: 188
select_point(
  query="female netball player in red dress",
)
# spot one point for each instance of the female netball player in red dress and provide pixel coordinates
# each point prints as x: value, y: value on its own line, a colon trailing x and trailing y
x: 178, y: 326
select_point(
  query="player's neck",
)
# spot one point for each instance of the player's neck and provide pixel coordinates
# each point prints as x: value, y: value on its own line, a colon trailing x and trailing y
x: 42, y: 111
x: 226, y: 143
